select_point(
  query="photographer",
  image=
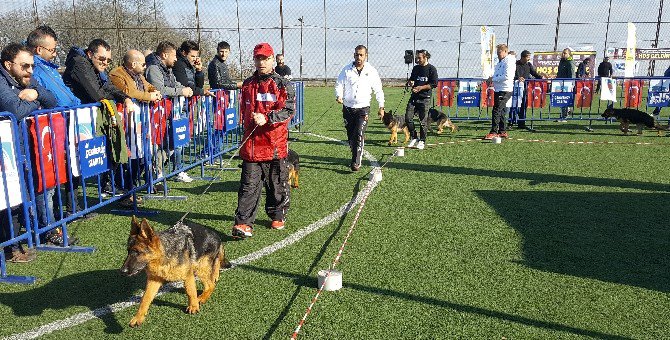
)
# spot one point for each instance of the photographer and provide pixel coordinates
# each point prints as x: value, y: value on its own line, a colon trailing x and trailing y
x: 422, y: 80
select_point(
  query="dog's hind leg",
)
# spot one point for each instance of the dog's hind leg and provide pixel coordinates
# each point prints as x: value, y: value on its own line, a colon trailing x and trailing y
x: 149, y: 294
x: 296, y: 179
x: 192, y: 293
x: 405, y: 130
x: 639, y: 129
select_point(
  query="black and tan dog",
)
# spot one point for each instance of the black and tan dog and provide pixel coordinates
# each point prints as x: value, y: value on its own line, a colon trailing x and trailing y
x: 625, y: 117
x: 437, y: 116
x: 395, y: 123
x: 293, y: 160
x: 179, y: 253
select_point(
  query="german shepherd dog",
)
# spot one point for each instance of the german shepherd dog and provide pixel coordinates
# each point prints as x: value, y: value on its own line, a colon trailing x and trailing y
x: 437, y: 116
x: 293, y: 168
x: 179, y: 253
x: 395, y: 123
x: 633, y: 116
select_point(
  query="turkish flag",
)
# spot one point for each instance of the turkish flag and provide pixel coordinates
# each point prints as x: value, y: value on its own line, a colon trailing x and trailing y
x: 488, y: 93
x: 632, y: 89
x: 47, y: 140
x: 159, y: 115
x: 584, y: 93
x: 445, y: 90
x: 222, y: 100
x: 536, y: 93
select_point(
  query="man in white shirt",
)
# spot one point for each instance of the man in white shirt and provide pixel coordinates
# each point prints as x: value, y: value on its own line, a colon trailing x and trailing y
x: 503, y: 84
x: 353, y: 90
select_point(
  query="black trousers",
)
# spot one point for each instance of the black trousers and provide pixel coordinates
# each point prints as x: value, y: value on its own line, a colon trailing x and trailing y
x: 417, y: 106
x: 274, y: 176
x: 498, y: 118
x: 356, y: 121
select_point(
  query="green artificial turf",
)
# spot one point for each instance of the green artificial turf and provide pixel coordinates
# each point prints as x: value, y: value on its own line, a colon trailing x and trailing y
x: 464, y: 240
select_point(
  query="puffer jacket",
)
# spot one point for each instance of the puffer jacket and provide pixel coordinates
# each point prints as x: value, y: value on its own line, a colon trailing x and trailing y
x: 566, y: 68
x: 274, y: 97
x: 160, y: 76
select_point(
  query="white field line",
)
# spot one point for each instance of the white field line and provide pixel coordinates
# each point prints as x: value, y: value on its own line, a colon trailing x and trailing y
x: 80, y: 318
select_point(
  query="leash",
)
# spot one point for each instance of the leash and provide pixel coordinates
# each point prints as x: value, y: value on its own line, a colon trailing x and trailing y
x: 307, y: 130
x: 401, y: 99
x: 211, y: 181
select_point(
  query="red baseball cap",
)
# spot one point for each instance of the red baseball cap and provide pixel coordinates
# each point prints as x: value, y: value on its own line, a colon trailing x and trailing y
x: 263, y: 49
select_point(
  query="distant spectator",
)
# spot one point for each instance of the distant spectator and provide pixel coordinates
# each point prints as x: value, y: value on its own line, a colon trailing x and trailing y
x: 188, y: 67
x: 657, y: 110
x: 217, y: 70
x: 583, y: 70
x: 282, y: 69
x: 566, y: 69
x: 524, y: 71
x: 604, y: 70
x: 20, y: 94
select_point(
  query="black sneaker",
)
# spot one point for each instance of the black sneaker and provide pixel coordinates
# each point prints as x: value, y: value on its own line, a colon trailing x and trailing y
x: 55, y: 237
x: 107, y: 190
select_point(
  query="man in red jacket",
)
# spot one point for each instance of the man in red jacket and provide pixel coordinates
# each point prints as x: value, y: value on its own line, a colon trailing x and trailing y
x: 267, y: 102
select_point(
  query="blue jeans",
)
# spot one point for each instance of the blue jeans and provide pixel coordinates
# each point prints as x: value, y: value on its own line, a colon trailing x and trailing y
x: 45, y: 207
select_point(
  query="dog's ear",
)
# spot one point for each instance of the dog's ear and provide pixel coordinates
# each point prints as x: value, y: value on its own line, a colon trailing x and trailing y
x: 145, y: 230
x: 134, y: 226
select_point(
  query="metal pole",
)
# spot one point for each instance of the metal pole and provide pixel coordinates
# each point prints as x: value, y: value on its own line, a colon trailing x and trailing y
x: 325, y: 45
x: 416, y: 13
x: 558, y: 24
x: 302, y: 22
x: 652, y: 65
x: 509, y: 21
x: 607, y: 30
x: 36, y: 14
x: 460, y: 40
x: 239, y: 37
x: 281, y: 23
x: 197, y: 21
x: 367, y: 24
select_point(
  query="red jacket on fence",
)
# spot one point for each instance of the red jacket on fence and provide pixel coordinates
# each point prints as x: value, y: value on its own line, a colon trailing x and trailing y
x: 273, y: 96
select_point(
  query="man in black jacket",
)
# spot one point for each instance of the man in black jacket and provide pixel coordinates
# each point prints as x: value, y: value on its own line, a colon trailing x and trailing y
x: 217, y: 70
x: 604, y: 70
x: 422, y: 81
x: 524, y: 70
x: 188, y: 68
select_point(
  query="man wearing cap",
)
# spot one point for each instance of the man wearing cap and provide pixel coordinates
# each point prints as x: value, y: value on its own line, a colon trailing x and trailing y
x: 353, y: 90
x: 267, y: 103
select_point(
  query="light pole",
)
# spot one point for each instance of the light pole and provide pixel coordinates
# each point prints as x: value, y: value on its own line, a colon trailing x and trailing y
x: 302, y: 23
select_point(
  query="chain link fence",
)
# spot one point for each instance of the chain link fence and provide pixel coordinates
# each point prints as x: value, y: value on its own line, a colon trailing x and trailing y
x: 318, y: 37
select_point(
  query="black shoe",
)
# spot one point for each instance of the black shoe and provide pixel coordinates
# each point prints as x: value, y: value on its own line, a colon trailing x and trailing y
x: 55, y: 237
x: 355, y: 167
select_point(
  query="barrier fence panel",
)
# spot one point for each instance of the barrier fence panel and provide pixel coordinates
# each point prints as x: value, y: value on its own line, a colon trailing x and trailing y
x: 299, y: 113
x: 16, y: 201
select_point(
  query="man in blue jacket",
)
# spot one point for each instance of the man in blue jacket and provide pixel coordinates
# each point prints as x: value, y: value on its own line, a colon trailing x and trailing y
x: 20, y: 94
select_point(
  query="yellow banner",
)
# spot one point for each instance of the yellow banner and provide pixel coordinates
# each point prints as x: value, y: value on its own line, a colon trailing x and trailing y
x: 630, y: 51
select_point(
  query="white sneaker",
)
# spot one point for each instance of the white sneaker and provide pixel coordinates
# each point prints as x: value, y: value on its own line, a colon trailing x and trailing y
x: 420, y: 145
x: 183, y: 177
x: 412, y: 143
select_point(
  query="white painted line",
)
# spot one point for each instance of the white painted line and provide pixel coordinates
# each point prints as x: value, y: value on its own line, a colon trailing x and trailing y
x: 80, y: 318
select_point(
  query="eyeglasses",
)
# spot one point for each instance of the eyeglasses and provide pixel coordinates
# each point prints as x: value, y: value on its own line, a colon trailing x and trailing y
x: 24, y: 66
x: 50, y: 50
x: 104, y: 59
x: 359, y: 54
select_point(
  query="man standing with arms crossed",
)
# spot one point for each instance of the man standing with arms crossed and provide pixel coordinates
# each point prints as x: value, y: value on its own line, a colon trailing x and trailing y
x: 353, y: 89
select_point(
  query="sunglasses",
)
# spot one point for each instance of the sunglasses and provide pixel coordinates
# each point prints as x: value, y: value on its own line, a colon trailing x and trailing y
x: 104, y: 59
x: 50, y: 50
x: 25, y: 66
x: 360, y: 54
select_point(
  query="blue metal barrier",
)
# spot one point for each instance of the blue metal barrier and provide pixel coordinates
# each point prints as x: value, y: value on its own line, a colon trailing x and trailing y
x: 15, y: 193
x: 299, y: 112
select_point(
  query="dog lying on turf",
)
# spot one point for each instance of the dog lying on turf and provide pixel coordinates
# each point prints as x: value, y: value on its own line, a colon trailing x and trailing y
x: 179, y: 253
x: 293, y: 168
x: 395, y: 123
x: 625, y: 117
x: 437, y: 116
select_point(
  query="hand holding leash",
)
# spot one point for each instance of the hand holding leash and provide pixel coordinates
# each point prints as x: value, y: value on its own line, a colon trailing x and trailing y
x: 259, y: 118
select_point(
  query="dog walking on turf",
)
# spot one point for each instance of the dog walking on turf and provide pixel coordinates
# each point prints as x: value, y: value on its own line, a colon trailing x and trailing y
x: 437, y: 116
x: 293, y: 161
x: 395, y: 123
x: 179, y: 253
x: 625, y: 117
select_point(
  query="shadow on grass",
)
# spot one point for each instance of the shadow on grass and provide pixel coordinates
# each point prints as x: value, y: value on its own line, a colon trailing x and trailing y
x: 90, y: 289
x: 310, y: 282
x: 534, y: 178
x: 312, y: 266
x: 614, y: 237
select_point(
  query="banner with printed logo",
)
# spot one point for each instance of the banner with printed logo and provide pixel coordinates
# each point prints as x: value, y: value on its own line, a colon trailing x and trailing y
x: 221, y: 105
x: 134, y: 133
x: 468, y: 93
x: 445, y: 92
x: 487, y: 94
x: 93, y: 156
x: 632, y: 92
x: 608, y: 89
x: 631, y: 45
x: 10, y: 185
x: 81, y: 128
x: 584, y: 93
x: 536, y: 92
x: 517, y: 95
x: 659, y: 93
x: 562, y: 94
x: 488, y: 43
x: 47, y: 152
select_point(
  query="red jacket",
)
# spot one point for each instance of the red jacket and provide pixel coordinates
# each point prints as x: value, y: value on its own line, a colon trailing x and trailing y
x: 273, y: 96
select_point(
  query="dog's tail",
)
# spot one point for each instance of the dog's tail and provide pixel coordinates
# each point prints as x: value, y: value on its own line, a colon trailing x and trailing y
x: 225, y: 264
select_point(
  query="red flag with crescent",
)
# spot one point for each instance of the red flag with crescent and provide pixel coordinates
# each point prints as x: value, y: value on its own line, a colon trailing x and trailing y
x: 488, y: 93
x: 632, y: 90
x: 47, y: 140
x: 445, y: 92
x: 584, y: 93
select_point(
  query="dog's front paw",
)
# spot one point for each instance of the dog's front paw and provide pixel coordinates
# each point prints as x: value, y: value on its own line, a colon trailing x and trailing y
x: 136, y: 321
x: 193, y: 309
